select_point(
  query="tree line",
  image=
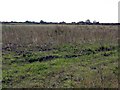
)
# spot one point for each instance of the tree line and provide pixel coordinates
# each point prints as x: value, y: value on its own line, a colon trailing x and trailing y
x: 87, y: 22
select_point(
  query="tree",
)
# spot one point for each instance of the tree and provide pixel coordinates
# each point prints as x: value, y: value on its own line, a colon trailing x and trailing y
x: 81, y: 22
x: 27, y: 21
x: 87, y: 21
x: 95, y: 22
x: 42, y: 22
x: 62, y: 22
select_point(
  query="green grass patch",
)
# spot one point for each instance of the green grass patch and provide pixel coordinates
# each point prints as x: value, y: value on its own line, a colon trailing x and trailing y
x: 65, y: 66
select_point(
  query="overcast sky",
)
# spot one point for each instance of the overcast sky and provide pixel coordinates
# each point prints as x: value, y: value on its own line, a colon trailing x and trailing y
x: 59, y: 10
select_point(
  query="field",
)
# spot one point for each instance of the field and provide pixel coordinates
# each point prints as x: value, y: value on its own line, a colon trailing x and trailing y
x: 60, y: 56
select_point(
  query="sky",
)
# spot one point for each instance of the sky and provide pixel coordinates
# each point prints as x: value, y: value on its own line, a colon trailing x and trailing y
x: 104, y: 11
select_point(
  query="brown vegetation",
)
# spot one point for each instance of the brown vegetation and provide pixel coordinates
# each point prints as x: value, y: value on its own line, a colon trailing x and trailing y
x: 47, y: 36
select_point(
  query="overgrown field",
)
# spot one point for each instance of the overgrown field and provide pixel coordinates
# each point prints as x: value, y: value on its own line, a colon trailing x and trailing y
x: 60, y: 56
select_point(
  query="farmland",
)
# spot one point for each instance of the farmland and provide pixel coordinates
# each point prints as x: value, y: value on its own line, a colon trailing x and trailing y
x: 60, y: 56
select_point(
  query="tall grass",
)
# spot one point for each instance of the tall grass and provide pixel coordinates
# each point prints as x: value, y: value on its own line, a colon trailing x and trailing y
x: 52, y: 35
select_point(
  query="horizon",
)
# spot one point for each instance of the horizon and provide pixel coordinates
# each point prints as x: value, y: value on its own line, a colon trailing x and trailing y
x: 28, y: 21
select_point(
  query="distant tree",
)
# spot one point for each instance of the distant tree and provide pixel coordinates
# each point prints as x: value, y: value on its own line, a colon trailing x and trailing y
x: 95, y: 22
x: 87, y: 21
x: 73, y: 22
x: 42, y: 22
x: 62, y: 22
x: 27, y: 21
x: 81, y: 22
x: 13, y: 22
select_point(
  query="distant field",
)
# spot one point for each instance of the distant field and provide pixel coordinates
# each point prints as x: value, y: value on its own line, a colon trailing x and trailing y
x: 62, y: 56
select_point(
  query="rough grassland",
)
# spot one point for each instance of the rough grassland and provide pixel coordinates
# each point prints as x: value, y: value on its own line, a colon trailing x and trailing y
x: 60, y: 56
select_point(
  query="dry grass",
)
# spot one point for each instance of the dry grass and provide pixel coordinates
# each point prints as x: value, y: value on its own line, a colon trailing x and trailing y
x: 46, y: 36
